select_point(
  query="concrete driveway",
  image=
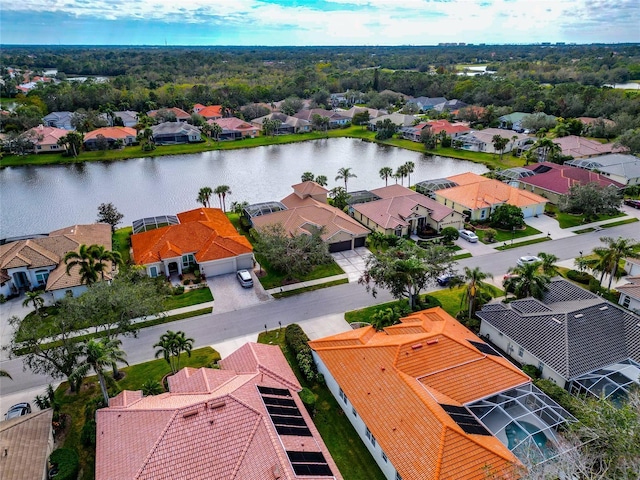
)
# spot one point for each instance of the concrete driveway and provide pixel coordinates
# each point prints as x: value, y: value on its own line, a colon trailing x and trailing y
x: 353, y: 262
x: 229, y: 295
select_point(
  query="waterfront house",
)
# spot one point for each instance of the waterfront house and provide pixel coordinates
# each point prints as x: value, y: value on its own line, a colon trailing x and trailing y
x: 128, y: 118
x: 482, y: 140
x: 336, y: 119
x: 624, y: 169
x: 234, y: 129
x: 169, y: 133
x: 287, y: 125
x: 45, y: 139
x: 59, y: 120
x: 580, y: 147
x: 181, y: 115
x: 126, y: 135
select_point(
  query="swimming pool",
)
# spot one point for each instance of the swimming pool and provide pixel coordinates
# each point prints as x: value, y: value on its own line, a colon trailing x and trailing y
x: 517, y: 432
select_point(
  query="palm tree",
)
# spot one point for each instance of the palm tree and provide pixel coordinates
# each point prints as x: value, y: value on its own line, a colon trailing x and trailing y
x: 101, y: 255
x: 401, y: 172
x: 216, y: 131
x: 385, y: 173
x: 616, y: 250
x: 473, y: 279
x: 527, y: 281
x: 409, y: 168
x: 171, y: 346
x: 222, y: 191
x: 322, y: 180
x: 35, y: 298
x: 307, y: 177
x: 99, y: 354
x: 549, y: 267
x: 345, y: 174
x: 546, y: 149
x: 85, y: 260
x: 204, y: 196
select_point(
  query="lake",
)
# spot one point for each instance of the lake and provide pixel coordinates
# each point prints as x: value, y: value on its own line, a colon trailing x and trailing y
x: 38, y: 199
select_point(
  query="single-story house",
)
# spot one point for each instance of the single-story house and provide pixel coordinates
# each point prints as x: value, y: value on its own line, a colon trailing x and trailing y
x: 59, y: 120
x: 373, y: 113
x: 129, y: 118
x: 453, y: 130
x: 574, y: 337
x: 619, y: 167
x: 469, y: 112
x: 401, y: 211
x: 307, y: 208
x: 127, y: 135
x: 413, y: 132
x: 512, y: 121
x: 399, y: 119
x: 244, y: 420
x: 336, y: 119
x: 580, y: 147
x: 211, y: 112
x: 450, y: 105
x: 553, y: 181
x: 287, y: 124
x: 482, y: 140
x: 45, y: 139
x: 38, y: 263
x: 181, y: 115
x: 168, y: 133
x: 632, y: 266
x: 478, y: 196
x: 204, y: 239
x: 233, y: 128
x: 630, y: 292
x: 425, y: 103
x: 431, y: 400
x: 197, y: 107
x: 27, y: 442
x: 345, y: 99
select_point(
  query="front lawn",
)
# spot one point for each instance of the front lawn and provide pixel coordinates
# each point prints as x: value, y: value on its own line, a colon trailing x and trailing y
x: 273, y: 279
x: 506, y: 235
x: 74, y: 405
x: 188, y: 298
x: 350, y: 454
x: 568, y: 220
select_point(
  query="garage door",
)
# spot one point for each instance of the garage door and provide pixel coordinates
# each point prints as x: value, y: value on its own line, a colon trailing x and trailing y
x: 340, y: 246
x: 220, y: 268
x: 359, y: 242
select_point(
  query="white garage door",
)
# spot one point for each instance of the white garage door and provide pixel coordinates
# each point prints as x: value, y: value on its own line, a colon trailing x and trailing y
x: 220, y: 267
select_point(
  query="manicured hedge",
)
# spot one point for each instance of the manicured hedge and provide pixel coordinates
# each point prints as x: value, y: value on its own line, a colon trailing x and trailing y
x: 297, y: 341
x: 580, y: 277
x: 68, y: 463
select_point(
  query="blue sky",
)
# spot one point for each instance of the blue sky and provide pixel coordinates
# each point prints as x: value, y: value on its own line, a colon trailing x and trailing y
x: 316, y: 22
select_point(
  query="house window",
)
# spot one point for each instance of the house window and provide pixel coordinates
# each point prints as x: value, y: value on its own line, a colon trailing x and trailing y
x: 371, y: 438
x: 541, y: 367
x: 188, y: 260
x: 399, y: 232
x: 343, y: 396
x: 42, y: 276
x: 483, y: 214
x: 384, y: 457
x: 398, y: 477
x: 353, y: 410
x: 153, y: 272
x: 520, y: 351
x: 626, y: 301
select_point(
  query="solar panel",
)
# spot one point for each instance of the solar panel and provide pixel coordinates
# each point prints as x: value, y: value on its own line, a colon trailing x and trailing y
x: 292, y: 412
x: 281, y: 392
x: 306, y: 457
x: 484, y: 348
x: 465, y: 420
x: 295, y: 421
x: 297, y: 431
x: 309, y: 463
x: 281, y: 402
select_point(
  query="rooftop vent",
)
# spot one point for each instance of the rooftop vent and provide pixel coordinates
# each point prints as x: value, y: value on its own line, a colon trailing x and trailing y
x: 219, y: 403
x: 417, y: 346
x: 578, y: 315
x: 556, y: 320
x: 432, y: 342
x: 190, y: 413
x: 604, y: 308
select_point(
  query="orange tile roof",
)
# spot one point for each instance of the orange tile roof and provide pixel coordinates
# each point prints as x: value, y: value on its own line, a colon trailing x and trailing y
x: 396, y: 379
x: 111, y: 132
x: 211, y: 111
x: 206, y: 232
x: 212, y: 425
x: 438, y: 126
x: 475, y: 191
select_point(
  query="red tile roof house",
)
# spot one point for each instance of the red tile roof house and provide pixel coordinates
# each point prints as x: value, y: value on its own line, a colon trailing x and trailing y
x: 181, y: 115
x: 112, y: 134
x: 401, y: 211
x: 307, y: 207
x: 234, y: 129
x: 45, y: 139
x: 431, y: 400
x: 244, y: 421
x: 39, y: 262
x: 436, y: 126
x: 212, y: 112
x: 204, y: 237
x: 553, y: 181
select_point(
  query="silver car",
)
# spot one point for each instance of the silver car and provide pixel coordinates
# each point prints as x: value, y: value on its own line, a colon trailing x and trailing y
x: 528, y: 259
x: 469, y: 236
x: 244, y: 277
x: 18, y: 410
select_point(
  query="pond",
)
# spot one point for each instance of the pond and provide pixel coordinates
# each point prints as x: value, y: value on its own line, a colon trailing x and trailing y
x: 38, y: 199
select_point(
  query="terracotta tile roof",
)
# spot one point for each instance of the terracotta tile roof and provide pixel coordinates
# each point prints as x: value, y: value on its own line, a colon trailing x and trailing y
x: 46, y: 135
x: 206, y: 232
x: 632, y: 289
x: 305, y: 189
x: 180, y: 114
x: 222, y: 431
x: 28, y: 442
x: 111, y: 132
x: 438, y: 126
x: 485, y: 192
x: 396, y: 379
x: 233, y: 123
x: 560, y: 178
x: 577, y: 147
x: 211, y: 111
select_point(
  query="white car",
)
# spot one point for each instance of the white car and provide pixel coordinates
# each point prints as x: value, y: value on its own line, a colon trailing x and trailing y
x: 469, y: 236
x: 528, y: 259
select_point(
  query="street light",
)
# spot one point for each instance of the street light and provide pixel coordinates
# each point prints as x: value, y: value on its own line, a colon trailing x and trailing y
x: 513, y: 234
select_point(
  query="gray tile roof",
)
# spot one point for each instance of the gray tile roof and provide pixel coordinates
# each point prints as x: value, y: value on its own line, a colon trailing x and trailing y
x: 571, y: 330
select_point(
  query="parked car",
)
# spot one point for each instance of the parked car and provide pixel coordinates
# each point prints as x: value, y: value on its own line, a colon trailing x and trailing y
x: 18, y: 410
x: 445, y: 279
x: 469, y: 236
x: 528, y: 259
x: 632, y: 203
x: 244, y: 277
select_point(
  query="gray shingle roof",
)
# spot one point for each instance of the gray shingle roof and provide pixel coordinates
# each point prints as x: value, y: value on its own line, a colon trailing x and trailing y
x: 572, y: 330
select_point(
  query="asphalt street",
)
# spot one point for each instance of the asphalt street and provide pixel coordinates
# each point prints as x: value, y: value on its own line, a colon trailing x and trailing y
x: 214, y: 328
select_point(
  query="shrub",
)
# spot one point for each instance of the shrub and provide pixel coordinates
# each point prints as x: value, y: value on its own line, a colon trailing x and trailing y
x: 88, y: 433
x: 309, y: 400
x: 595, y: 287
x: 580, y: 277
x: 557, y: 393
x: 531, y: 370
x: 3, y: 299
x: 67, y: 462
x: 178, y: 290
x: 490, y: 235
x: 297, y: 340
x: 449, y: 234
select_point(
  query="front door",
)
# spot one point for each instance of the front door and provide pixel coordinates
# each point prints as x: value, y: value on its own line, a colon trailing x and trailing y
x: 20, y: 280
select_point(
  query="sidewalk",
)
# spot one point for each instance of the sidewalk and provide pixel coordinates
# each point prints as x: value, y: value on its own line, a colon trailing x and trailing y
x: 310, y: 283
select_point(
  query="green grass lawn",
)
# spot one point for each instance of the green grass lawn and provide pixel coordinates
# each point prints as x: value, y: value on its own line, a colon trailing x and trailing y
x: 506, y: 235
x: 122, y: 243
x: 188, y: 298
x: 74, y: 404
x: 507, y: 245
x: 346, y: 448
x: 568, y: 220
x: 274, y: 279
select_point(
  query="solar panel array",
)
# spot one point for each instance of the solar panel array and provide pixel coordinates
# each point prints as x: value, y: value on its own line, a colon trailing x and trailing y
x: 484, y: 348
x: 284, y: 412
x: 465, y: 420
x: 309, y: 463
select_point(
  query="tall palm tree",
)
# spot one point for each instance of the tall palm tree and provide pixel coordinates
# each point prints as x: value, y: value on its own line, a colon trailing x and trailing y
x: 216, y: 131
x: 204, y: 196
x: 474, y: 282
x: 222, y: 191
x: 102, y: 255
x: 385, y: 173
x: 527, y: 281
x: 322, y: 180
x: 307, y: 177
x: 401, y: 172
x: 345, y: 174
x: 84, y: 259
x: 546, y: 149
x: 171, y: 346
x: 549, y: 263
x: 35, y: 298
x: 616, y: 250
x: 99, y: 354
x: 409, y: 168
